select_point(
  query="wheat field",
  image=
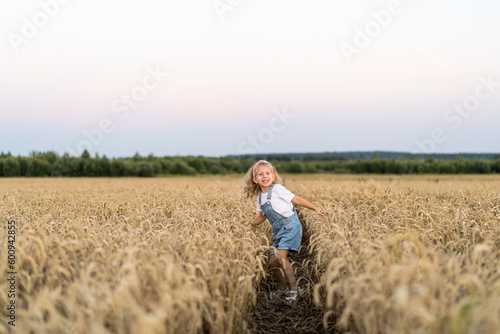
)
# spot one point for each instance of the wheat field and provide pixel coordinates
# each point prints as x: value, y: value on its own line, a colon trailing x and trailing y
x: 401, y: 254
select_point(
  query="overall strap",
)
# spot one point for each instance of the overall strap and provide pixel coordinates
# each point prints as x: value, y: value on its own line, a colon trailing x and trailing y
x: 270, y: 191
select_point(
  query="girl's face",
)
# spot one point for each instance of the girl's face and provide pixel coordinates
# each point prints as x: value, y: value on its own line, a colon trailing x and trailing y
x: 264, y: 176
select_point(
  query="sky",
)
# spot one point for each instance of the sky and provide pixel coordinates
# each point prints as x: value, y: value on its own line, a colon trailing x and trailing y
x: 220, y: 77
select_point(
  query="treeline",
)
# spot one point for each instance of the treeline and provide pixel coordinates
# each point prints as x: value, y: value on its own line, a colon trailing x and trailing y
x: 51, y: 164
x: 344, y: 156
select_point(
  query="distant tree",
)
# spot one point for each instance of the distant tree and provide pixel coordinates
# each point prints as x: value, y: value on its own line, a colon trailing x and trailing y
x: 49, y: 156
x: 130, y: 168
x: 157, y: 167
x: 231, y: 165
x: 331, y: 166
x: 60, y: 169
x: 106, y: 165
x: 311, y: 167
x: 102, y: 166
x: 117, y: 167
x: 38, y: 167
x: 446, y: 167
x: 375, y: 165
x: 78, y: 165
x: 216, y: 169
x: 412, y: 166
x: 89, y: 167
x: 404, y: 166
x: 429, y: 166
x: 391, y: 167
x: 137, y: 157
x: 11, y: 167
x: 85, y: 155
x: 212, y: 166
x: 67, y: 166
x: 481, y: 167
x: 180, y: 167
x: 145, y: 169
x: 296, y: 167
x: 198, y: 163
x: 360, y: 166
x: 495, y: 166
x: 166, y: 165
x: 5, y: 155
x: 23, y: 165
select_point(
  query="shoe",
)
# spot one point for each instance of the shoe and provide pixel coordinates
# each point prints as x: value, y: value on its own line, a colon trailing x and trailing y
x: 294, y: 295
x: 279, y: 293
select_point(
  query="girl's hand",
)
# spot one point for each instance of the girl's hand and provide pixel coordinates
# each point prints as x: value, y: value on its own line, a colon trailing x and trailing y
x: 250, y: 226
x: 321, y: 212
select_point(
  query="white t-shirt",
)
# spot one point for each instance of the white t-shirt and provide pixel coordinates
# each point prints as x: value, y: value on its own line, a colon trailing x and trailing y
x: 281, y: 200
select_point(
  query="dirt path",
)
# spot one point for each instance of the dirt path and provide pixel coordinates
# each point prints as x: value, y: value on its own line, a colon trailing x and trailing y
x: 275, y: 315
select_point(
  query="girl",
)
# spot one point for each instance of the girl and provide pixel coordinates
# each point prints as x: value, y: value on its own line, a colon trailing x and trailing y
x: 275, y: 203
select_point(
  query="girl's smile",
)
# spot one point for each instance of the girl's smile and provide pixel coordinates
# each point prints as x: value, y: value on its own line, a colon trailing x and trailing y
x: 264, y: 177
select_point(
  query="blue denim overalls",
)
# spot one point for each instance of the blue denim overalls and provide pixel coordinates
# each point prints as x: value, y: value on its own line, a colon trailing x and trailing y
x: 287, y: 231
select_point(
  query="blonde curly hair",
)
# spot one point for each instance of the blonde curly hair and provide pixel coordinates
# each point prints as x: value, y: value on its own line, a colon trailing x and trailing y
x: 251, y: 189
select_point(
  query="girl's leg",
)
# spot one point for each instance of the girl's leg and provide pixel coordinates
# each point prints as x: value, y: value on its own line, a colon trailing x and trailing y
x: 278, y: 272
x: 281, y: 262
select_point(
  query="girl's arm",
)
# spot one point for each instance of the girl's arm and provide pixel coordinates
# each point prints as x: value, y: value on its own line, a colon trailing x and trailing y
x: 300, y: 201
x: 258, y: 220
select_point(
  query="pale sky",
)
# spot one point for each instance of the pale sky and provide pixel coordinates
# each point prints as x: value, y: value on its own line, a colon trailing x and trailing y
x: 249, y: 76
